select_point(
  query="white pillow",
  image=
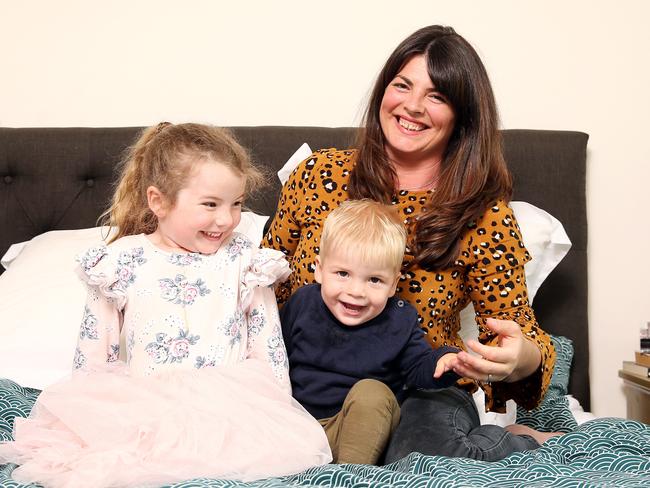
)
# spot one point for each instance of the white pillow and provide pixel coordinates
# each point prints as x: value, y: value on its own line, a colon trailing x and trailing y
x: 41, y: 308
x: 43, y: 299
x: 12, y: 253
x: 302, y: 153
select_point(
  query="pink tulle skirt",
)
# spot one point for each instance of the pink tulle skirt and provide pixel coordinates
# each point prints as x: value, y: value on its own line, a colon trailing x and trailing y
x: 106, y: 429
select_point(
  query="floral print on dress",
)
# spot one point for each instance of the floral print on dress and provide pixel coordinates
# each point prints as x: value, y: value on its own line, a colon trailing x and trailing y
x: 234, y: 326
x: 203, y: 362
x: 126, y: 263
x: 184, y: 259
x: 180, y: 312
x: 256, y: 322
x: 277, y: 353
x: 181, y: 291
x: 79, y: 359
x: 113, y: 353
x: 236, y: 246
x: 91, y: 257
x: 168, y: 349
x: 88, y: 329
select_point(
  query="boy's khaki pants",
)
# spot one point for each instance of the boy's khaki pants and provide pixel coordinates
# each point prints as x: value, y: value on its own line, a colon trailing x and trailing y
x: 360, y: 431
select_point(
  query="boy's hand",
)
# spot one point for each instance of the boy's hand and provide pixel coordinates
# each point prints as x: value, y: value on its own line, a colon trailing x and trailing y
x: 445, y: 363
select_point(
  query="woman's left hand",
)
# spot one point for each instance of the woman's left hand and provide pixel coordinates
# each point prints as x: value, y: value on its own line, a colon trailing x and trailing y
x: 512, y: 359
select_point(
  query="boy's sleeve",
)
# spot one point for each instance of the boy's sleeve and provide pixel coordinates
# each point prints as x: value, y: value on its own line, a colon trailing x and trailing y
x: 418, y: 359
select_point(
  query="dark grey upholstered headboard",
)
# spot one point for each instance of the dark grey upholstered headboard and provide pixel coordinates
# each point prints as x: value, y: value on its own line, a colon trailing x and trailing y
x: 61, y: 178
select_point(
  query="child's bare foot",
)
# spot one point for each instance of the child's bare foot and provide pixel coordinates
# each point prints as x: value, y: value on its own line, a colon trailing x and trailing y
x: 540, y: 437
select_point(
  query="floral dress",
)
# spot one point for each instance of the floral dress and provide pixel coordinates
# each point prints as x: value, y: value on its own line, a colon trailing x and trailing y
x: 180, y: 311
x: 180, y: 371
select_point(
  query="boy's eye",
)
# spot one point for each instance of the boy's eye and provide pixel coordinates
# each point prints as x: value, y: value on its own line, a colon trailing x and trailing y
x: 342, y: 274
x: 375, y: 280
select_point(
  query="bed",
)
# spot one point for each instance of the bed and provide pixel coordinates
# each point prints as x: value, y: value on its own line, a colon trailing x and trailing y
x: 54, y: 183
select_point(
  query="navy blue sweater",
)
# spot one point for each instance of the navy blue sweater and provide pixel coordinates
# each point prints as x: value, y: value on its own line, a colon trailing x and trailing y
x: 326, y: 358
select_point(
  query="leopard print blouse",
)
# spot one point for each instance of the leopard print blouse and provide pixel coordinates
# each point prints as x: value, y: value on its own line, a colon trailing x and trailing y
x: 489, y: 270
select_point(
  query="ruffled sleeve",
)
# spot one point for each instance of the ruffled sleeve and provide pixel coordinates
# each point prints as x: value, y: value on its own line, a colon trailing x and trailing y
x: 98, y: 270
x: 99, y: 333
x: 266, y: 268
x: 265, y: 342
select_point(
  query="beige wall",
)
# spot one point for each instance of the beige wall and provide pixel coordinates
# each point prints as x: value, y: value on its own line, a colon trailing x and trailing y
x: 579, y: 65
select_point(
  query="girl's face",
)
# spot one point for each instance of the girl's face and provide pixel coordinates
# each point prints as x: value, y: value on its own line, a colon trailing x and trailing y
x: 416, y: 120
x: 207, y: 210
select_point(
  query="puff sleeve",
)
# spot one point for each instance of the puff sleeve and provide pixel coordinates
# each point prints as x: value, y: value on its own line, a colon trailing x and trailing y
x: 258, y: 300
x: 99, y: 333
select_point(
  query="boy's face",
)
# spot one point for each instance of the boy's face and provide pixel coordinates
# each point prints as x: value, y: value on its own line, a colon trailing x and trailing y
x: 355, y: 292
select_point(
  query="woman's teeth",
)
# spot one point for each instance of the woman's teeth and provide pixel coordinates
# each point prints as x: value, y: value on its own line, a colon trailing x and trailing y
x: 411, y: 125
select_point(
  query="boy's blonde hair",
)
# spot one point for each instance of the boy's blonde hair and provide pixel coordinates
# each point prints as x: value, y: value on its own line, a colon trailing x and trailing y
x: 367, y: 230
x: 164, y: 156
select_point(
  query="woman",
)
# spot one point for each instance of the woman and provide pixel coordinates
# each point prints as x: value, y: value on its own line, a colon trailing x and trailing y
x: 431, y: 146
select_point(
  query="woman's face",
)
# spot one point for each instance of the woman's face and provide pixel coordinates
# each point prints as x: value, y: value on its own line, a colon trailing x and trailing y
x: 416, y: 120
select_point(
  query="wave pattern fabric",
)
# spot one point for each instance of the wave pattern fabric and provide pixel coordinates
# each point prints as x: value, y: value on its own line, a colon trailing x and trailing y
x: 602, y: 452
x: 553, y: 413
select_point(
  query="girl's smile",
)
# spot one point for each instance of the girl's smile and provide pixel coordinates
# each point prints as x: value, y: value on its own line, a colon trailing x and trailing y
x: 205, y: 213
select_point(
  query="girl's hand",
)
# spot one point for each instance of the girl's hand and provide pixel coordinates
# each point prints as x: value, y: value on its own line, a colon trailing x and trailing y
x: 513, y: 359
x: 445, y: 363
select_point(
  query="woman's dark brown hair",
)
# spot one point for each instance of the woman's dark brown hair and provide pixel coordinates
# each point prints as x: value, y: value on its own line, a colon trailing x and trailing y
x: 473, y: 173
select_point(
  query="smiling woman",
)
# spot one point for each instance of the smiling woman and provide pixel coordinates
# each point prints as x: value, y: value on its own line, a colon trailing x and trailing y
x: 417, y: 123
x: 430, y: 146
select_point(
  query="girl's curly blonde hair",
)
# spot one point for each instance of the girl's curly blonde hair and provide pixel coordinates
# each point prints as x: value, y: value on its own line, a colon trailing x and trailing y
x: 163, y: 157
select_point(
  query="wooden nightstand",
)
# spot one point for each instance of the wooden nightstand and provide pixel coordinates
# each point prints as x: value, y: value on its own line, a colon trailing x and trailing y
x: 637, y: 390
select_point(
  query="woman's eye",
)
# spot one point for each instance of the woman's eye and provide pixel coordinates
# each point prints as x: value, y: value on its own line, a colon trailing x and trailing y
x: 400, y: 86
x: 437, y: 98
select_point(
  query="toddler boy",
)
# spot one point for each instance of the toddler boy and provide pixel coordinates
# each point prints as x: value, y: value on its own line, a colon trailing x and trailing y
x: 353, y: 347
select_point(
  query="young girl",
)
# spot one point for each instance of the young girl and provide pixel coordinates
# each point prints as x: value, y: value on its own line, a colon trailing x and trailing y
x: 180, y: 369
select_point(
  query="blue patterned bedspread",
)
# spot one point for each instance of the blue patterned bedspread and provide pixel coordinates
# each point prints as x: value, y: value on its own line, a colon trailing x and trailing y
x: 600, y: 453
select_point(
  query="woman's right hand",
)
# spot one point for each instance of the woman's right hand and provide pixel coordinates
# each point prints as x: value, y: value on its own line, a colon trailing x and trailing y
x: 512, y: 359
